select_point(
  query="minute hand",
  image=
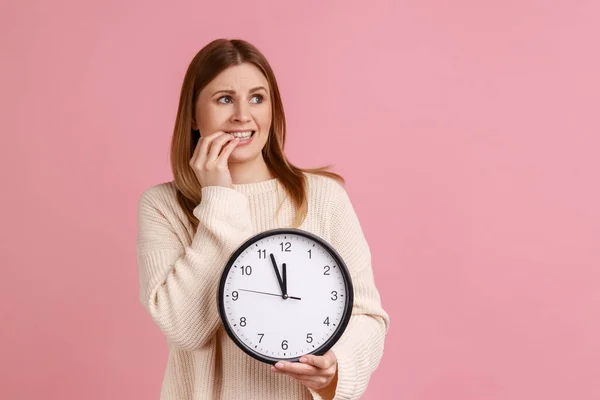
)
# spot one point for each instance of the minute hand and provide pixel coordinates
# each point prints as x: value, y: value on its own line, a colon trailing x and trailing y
x: 270, y: 294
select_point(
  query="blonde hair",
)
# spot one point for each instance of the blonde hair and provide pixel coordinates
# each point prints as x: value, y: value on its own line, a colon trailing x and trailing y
x: 204, y: 67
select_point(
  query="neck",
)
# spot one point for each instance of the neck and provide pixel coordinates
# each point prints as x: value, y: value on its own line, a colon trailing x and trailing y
x: 251, y: 171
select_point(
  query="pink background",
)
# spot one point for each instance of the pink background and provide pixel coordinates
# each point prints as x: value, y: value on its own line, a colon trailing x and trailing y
x: 468, y: 132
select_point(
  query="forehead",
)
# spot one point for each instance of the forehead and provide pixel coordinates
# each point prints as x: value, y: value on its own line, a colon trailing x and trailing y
x: 241, y: 78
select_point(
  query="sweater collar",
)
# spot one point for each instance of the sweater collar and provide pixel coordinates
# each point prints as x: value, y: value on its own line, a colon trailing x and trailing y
x: 270, y: 185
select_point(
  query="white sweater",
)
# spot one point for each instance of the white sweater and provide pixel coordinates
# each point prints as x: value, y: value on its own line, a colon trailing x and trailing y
x: 179, y: 273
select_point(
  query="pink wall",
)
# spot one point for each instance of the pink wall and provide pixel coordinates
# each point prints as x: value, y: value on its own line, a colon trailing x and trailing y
x: 468, y: 132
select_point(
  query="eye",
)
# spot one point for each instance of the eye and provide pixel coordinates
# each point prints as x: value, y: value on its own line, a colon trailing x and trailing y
x: 259, y: 97
x: 223, y: 98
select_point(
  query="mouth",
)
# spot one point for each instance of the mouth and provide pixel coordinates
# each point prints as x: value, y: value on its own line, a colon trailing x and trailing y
x: 243, y: 135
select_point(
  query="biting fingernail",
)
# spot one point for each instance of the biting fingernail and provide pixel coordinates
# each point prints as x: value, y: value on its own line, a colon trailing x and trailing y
x: 279, y: 365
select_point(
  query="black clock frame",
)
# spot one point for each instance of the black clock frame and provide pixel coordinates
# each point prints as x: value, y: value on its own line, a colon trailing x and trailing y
x: 347, y: 313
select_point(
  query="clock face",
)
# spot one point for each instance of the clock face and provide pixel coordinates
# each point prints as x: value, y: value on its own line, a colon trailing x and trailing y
x: 285, y: 293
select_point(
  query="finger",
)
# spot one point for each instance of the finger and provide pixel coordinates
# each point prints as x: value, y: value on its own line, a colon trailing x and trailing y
x: 205, y: 147
x: 313, y: 381
x: 316, y: 373
x: 217, y: 146
x: 227, y: 150
x: 322, y: 362
x: 296, y: 368
x: 303, y: 369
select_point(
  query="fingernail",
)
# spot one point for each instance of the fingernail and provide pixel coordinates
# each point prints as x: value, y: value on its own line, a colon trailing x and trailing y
x: 303, y: 359
x: 279, y: 365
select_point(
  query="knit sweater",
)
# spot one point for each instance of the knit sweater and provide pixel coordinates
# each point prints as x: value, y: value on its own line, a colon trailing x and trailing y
x: 179, y: 271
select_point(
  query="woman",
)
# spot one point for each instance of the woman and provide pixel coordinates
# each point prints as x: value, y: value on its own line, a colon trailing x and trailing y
x: 233, y: 180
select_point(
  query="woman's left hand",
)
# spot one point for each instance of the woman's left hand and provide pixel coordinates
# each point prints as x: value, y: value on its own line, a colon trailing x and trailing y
x: 315, y: 372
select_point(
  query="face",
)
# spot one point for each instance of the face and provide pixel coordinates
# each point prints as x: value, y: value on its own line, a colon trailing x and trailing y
x: 237, y: 100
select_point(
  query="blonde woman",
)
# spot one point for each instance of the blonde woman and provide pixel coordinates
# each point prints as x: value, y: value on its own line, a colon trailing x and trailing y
x: 232, y: 180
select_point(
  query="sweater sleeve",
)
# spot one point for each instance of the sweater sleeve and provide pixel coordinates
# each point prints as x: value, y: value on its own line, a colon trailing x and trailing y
x: 179, y: 283
x: 360, y: 348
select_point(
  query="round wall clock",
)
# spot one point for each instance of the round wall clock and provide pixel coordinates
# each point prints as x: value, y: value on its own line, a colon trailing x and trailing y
x: 285, y: 293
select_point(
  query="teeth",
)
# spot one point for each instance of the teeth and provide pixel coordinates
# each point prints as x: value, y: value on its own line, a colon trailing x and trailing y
x: 241, y: 134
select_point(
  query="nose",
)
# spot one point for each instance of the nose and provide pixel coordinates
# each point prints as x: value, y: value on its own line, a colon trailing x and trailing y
x: 241, y: 113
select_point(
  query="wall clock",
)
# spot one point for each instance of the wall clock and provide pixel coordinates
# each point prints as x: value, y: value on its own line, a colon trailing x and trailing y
x: 285, y: 293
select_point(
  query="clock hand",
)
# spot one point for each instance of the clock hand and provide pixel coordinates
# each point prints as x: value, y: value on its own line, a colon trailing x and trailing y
x: 284, y: 281
x: 277, y: 273
x: 270, y: 294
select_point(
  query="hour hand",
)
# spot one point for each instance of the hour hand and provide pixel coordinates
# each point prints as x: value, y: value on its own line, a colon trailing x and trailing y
x: 279, y: 280
x: 284, y: 280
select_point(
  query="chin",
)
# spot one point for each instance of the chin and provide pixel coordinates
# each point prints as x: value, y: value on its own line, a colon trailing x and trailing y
x: 246, y: 153
x: 242, y: 155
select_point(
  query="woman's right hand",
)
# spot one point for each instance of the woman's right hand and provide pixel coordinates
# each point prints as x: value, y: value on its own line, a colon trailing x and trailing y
x: 210, y: 159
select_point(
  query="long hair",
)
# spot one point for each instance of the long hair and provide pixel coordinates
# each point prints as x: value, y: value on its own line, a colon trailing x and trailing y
x: 204, y: 67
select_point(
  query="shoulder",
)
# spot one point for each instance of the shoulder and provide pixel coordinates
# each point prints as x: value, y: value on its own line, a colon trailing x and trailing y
x: 160, y: 196
x: 327, y: 195
x: 324, y: 184
x: 326, y: 187
x: 158, y: 206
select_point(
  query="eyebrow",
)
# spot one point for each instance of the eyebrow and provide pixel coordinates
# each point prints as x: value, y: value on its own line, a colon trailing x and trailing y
x: 254, y: 89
